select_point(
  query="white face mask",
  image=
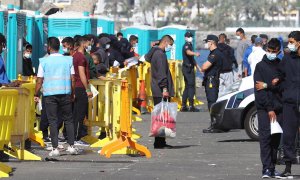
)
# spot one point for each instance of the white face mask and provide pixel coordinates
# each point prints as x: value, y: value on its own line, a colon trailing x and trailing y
x: 271, y: 56
x: 189, y: 39
x: 107, y: 46
x: 65, y: 50
x: 27, y: 55
x: 238, y: 37
x: 206, y: 46
x: 89, y: 48
x: 168, y: 48
x: 292, y: 47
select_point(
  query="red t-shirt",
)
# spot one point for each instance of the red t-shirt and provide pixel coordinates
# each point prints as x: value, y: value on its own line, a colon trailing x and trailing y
x: 80, y: 60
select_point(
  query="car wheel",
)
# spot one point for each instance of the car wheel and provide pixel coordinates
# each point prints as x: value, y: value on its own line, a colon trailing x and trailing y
x: 251, y: 123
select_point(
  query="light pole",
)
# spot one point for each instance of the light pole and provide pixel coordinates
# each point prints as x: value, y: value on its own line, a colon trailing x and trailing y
x: 21, y: 4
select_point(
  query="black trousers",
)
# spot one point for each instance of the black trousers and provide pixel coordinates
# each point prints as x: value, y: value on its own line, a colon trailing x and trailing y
x: 290, y: 126
x: 268, y: 143
x: 159, y: 141
x: 189, y: 81
x: 79, y: 113
x: 44, y: 124
x: 64, y: 104
x: 211, y: 92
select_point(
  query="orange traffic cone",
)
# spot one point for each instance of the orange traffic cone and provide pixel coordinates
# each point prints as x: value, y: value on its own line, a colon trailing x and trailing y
x: 143, y: 97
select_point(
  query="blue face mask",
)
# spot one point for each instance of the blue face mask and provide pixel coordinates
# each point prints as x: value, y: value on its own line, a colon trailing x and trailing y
x: 271, y: 56
x: 168, y: 48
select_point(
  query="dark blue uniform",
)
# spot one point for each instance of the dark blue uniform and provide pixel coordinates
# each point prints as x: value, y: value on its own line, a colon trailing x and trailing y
x: 289, y: 73
x: 211, y: 77
x: 267, y: 100
x: 188, y: 70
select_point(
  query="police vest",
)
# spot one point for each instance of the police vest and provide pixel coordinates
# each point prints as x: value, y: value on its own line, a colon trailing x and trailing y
x: 57, y: 75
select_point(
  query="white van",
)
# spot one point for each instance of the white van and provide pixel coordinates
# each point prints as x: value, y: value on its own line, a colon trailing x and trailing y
x: 235, y: 108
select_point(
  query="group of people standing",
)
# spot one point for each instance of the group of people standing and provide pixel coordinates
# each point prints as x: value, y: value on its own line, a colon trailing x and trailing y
x: 64, y: 81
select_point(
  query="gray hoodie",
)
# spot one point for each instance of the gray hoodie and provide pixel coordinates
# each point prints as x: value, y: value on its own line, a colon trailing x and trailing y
x: 160, y: 73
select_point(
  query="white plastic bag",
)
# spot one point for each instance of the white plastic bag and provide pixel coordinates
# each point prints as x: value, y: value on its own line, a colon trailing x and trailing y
x: 163, y: 120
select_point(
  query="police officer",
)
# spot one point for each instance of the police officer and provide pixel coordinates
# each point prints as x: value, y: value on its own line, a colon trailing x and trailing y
x: 188, y: 72
x: 211, y: 69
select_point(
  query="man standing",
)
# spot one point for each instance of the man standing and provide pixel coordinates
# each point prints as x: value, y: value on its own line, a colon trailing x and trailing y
x: 211, y: 69
x: 56, y: 75
x: 226, y: 76
x: 188, y: 72
x: 247, y: 69
x: 3, y: 76
x: 289, y: 74
x: 161, y: 80
x: 68, y: 46
x: 257, y: 53
x: 268, y: 102
x: 133, y: 40
x: 240, y: 50
x: 82, y: 91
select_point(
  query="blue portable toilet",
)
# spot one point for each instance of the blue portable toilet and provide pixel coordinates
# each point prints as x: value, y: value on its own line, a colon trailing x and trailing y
x: 40, y: 38
x: 30, y: 25
x: 146, y: 35
x: 15, y: 36
x: 64, y: 24
x: 102, y: 24
x: 35, y: 35
x: 177, y: 33
x: 3, y: 21
x: 3, y: 27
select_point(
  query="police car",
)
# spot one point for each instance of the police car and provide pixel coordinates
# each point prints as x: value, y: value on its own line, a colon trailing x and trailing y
x: 235, y: 108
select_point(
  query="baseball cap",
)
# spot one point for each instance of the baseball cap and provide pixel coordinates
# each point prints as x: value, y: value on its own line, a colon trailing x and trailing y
x: 211, y: 37
x: 188, y: 34
x: 258, y: 40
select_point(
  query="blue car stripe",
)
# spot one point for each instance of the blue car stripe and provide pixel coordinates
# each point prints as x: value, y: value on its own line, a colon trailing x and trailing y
x: 234, y: 102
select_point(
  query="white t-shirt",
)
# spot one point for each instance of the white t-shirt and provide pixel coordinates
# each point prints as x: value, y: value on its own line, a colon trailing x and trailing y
x: 40, y: 73
x: 255, y: 57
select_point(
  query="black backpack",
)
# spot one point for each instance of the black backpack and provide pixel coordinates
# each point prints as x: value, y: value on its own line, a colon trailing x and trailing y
x: 227, y: 58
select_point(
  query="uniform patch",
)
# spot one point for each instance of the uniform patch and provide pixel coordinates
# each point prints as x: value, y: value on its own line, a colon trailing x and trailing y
x: 186, y: 47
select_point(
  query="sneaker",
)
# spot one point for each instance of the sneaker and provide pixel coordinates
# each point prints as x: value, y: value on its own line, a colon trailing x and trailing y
x: 81, y: 143
x: 54, y: 153
x: 275, y: 174
x: 193, y: 109
x: 212, y: 130
x: 184, y: 109
x: 60, y: 147
x: 73, y: 150
x: 102, y: 135
x: 164, y: 146
x: 47, y: 140
x: 62, y: 140
x: 267, y: 174
x: 285, y: 175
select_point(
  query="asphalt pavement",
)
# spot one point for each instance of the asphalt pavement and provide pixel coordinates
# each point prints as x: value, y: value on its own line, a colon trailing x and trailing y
x: 195, y: 155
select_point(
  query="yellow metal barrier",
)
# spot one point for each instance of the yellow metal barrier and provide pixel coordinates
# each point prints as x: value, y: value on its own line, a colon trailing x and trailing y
x: 8, y: 104
x: 175, y: 67
x: 131, y: 74
x: 34, y: 134
x: 100, y: 113
x: 21, y: 126
x: 124, y: 140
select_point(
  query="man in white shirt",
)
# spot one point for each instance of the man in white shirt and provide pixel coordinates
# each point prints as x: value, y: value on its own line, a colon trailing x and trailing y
x: 257, y: 53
